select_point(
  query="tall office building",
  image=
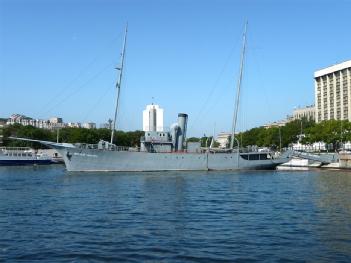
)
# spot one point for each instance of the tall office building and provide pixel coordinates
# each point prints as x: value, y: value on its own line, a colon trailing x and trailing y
x: 153, y: 118
x: 333, y: 92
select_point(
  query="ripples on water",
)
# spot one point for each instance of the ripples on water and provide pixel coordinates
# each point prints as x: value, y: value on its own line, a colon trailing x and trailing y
x: 49, y: 214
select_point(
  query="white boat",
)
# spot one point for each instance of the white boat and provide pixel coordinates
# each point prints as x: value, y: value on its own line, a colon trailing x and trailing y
x: 22, y: 156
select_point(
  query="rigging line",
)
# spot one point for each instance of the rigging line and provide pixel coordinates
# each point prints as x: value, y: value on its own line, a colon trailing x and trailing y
x: 225, y: 66
x: 85, y: 118
x: 79, y: 88
x: 65, y: 88
x: 215, y: 102
x: 77, y: 77
x: 229, y: 83
x: 259, y: 61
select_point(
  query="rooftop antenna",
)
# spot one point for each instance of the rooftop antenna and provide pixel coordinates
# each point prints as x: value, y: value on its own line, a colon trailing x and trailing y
x: 118, y: 83
x: 235, y: 115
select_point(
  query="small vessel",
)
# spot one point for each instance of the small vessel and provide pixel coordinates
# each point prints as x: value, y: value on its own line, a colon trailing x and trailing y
x: 22, y: 156
x: 163, y: 151
x: 299, y: 164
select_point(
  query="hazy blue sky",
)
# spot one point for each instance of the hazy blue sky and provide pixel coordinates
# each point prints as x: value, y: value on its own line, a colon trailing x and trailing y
x: 57, y: 58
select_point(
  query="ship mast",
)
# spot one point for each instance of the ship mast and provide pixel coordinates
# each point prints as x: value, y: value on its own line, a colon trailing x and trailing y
x: 235, y: 115
x: 118, y: 83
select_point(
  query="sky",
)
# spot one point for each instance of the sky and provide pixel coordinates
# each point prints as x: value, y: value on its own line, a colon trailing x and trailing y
x: 58, y: 58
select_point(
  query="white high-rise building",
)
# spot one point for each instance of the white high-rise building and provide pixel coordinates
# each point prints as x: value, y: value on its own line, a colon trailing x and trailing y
x: 333, y: 92
x: 153, y: 118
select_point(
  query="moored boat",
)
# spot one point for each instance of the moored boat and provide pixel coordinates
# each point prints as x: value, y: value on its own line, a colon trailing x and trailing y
x: 22, y: 156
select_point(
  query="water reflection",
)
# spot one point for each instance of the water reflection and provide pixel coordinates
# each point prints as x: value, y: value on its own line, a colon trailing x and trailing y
x: 334, y: 191
x: 333, y: 199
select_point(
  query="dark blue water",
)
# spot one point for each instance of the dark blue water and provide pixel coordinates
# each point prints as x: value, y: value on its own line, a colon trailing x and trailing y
x: 49, y: 214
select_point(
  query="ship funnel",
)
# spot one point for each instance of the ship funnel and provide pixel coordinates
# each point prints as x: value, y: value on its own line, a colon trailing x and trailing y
x: 174, y: 134
x: 152, y: 119
x: 182, y: 123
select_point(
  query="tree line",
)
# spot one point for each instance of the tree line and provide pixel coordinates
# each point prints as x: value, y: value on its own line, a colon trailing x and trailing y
x: 68, y: 135
x: 331, y: 132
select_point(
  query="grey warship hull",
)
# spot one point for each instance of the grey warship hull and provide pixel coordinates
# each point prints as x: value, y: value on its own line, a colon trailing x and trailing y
x: 99, y: 160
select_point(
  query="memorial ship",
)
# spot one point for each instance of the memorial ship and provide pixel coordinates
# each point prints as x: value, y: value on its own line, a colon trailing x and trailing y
x: 163, y: 151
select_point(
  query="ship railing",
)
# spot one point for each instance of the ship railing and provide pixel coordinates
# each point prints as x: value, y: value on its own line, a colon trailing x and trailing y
x: 15, y: 148
x: 126, y: 149
x: 313, y: 149
x: 109, y: 147
x: 86, y: 146
x: 235, y: 149
x: 122, y: 148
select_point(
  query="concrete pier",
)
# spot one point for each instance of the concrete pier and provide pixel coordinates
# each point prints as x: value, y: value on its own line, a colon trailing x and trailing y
x: 345, y: 160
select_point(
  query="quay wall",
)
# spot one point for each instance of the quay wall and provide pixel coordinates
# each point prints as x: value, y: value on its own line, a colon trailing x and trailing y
x: 345, y: 160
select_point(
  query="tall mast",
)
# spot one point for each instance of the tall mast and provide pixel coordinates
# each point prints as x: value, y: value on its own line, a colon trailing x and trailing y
x: 235, y: 115
x: 118, y: 83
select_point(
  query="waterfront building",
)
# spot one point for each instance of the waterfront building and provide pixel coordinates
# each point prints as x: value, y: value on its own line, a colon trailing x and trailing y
x: 314, y: 147
x: 302, y: 147
x: 89, y: 125
x: 153, y: 118
x: 275, y: 124
x: 346, y: 146
x: 18, y: 118
x: 55, y: 120
x: 223, y: 139
x: 52, y: 123
x: 42, y: 124
x: 308, y: 113
x: 278, y: 124
x: 74, y: 125
x: 2, y: 124
x: 333, y: 92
